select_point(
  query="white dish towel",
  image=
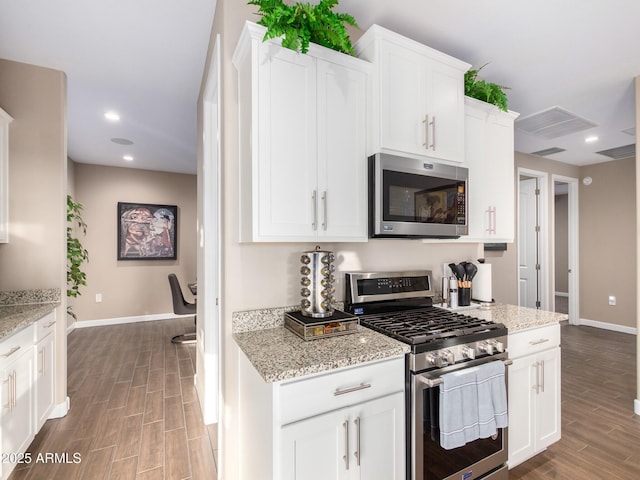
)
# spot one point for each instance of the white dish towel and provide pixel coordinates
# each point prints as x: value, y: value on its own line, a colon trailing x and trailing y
x: 473, y: 404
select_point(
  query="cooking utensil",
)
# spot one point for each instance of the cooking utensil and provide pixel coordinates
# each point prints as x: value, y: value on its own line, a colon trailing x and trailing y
x: 459, y: 271
x: 469, y: 269
x: 474, y: 271
x: 452, y: 266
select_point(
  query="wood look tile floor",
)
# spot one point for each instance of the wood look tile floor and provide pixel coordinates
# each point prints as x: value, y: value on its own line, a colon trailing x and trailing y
x: 600, y: 432
x: 134, y: 409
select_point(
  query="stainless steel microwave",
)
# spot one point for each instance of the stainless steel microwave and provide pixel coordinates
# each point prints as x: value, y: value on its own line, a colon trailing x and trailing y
x: 416, y: 198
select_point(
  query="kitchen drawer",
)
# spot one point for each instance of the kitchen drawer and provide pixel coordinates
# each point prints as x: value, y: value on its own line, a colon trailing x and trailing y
x: 533, y: 340
x: 322, y: 393
x: 45, y: 326
x: 15, y: 345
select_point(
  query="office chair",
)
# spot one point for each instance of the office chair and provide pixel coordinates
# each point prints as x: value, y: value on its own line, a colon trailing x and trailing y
x: 181, y: 307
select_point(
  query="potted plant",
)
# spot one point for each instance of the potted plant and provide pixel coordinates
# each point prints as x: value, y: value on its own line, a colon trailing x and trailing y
x: 76, y: 253
x: 485, y: 91
x: 302, y: 23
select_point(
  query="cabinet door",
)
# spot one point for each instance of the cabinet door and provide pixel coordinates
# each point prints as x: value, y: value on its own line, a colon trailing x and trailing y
x: 342, y: 152
x: 380, y: 440
x: 476, y: 160
x: 286, y: 152
x: 317, y: 448
x: 522, y: 381
x: 44, y: 375
x: 403, y: 103
x: 17, y: 404
x: 446, y: 109
x: 548, y: 424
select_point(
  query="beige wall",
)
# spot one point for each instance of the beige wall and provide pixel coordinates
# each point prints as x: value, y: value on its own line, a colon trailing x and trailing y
x: 35, y: 256
x: 133, y: 287
x: 607, y: 243
x: 561, y: 246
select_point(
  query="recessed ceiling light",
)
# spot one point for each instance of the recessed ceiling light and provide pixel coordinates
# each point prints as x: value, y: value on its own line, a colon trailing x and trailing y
x: 591, y: 139
x: 128, y: 158
x: 112, y: 116
x: 122, y: 141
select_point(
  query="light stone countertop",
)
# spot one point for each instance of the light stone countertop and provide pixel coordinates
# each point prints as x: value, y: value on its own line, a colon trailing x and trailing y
x: 517, y: 318
x: 278, y: 354
x: 14, y: 318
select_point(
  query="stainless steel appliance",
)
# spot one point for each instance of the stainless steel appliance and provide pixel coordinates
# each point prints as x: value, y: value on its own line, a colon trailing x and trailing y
x: 416, y: 198
x: 400, y: 305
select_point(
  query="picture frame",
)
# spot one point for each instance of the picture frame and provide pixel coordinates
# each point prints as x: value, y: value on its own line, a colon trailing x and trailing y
x: 147, y: 231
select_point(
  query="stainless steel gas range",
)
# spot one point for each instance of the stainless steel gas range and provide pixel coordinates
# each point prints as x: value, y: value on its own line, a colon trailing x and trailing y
x: 400, y: 305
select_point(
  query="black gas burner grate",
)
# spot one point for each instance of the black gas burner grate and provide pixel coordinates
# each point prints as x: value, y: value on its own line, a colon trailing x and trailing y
x: 426, y: 325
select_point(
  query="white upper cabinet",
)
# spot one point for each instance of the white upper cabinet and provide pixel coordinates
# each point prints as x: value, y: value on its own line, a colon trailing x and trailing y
x: 489, y: 155
x: 5, y: 120
x: 418, y: 97
x: 302, y: 142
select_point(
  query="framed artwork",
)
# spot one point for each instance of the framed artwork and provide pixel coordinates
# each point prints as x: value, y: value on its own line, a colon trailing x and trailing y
x: 147, y: 231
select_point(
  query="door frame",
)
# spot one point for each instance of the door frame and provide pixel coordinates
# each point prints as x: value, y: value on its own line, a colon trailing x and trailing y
x: 573, y: 246
x: 207, y: 379
x: 544, y: 237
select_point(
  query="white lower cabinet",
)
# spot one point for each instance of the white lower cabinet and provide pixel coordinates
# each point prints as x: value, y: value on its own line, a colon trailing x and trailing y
x: 360, y: 442
x: 27, y: 371
x: 534, y: 392
x: 339, y: 425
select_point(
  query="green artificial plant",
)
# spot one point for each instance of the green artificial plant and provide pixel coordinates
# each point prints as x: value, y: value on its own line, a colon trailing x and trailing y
x: 485, y: 91
x: 76, y: 253
x: 302, y: 23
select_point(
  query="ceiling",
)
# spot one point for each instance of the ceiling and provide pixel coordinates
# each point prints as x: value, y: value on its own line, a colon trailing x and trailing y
x: 145, y: 60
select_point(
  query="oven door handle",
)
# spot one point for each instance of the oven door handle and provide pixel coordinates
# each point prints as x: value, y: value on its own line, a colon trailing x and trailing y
x: 434, y: 382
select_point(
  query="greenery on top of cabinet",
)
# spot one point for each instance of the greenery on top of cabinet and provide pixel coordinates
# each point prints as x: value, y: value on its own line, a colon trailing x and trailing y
x: 76, y: 253
x: 485, y: 91
x: 302, y: 23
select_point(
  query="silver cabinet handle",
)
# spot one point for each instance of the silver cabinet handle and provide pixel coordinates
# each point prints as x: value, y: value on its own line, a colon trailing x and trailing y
x: 357, y: 452
x: 15, y: 392
x: 314, y: 196
x: 7, y: 382
x: 345, y: 457
x: 324, y: 206
x: 538, y: 342
x: 433, y: 133
x: 11, y: 352
x: 426, y: 132
x: 44, y: 358
x: 536, y: 387
x: 542, y: 375
x: 362, y: 386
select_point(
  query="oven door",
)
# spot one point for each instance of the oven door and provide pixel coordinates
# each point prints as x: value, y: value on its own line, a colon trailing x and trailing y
x: 429, y: 461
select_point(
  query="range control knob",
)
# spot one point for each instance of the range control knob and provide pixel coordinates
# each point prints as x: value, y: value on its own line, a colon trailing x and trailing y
x: 468, y: 352
x: 486, y: 347
x: 447, y: 358
x: 497, y: 346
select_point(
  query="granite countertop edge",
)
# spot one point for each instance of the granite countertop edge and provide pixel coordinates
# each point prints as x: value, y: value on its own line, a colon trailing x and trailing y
x: 21, y: 308
x: 278, y: 354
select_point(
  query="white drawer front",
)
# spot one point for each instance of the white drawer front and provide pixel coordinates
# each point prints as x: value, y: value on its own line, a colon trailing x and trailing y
x: 534, y: 340
x: 311, y: 396
x: 45, y: 325
x: 15, y: 345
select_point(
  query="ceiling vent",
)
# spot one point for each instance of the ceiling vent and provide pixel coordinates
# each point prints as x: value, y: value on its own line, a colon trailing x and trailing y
x: 552, y: 123
x: 630, y: 131
x: 620, y: 152
x: 549, y: 151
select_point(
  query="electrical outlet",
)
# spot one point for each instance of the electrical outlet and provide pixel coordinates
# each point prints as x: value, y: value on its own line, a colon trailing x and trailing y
x: 98, y: 297
x: 612, y: 300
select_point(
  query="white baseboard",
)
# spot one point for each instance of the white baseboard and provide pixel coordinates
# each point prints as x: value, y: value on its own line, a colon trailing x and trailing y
x: 61, y: 409
x: 607, y: 326
x: 561, y: 294
x: 118, y: 321
x: 636, y: 406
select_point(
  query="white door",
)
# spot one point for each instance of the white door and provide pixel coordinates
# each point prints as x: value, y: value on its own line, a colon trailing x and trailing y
x: 528, y: 243
x: 208, y: 315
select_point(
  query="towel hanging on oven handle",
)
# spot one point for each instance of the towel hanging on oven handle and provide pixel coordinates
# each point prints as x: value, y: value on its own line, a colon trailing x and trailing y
x: 434, y: 382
